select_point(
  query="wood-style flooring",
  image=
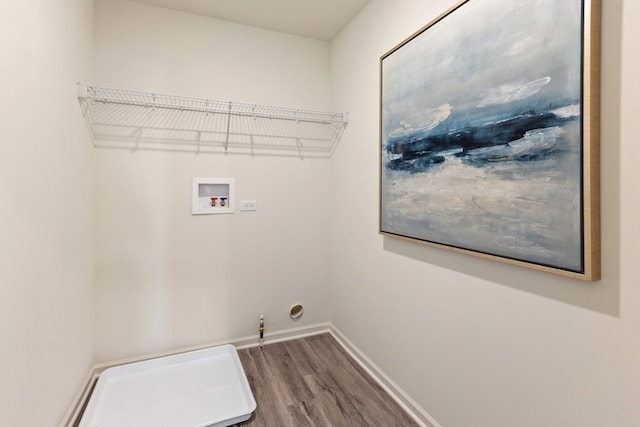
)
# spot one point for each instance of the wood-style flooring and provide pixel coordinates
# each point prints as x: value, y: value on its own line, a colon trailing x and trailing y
x: 312, y: 381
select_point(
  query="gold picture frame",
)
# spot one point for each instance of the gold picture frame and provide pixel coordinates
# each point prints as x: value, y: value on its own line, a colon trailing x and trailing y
x: 489, y: 134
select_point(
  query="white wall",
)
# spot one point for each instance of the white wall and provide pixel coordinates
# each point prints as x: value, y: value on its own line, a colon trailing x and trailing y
x: 166, y: 279
x: 474, y: 342
x: 46, y: 279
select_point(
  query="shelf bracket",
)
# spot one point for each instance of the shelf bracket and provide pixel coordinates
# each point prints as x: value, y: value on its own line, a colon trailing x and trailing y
x: 226, y: 141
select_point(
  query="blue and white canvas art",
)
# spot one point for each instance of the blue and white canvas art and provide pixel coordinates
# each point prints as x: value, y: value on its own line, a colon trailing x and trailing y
x: 482, y: 132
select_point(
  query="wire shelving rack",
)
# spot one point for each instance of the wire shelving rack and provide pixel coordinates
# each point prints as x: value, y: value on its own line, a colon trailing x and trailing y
x: 140, y: 120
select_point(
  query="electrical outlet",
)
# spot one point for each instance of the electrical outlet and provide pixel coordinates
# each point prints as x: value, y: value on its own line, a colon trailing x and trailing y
x: 248, y: 205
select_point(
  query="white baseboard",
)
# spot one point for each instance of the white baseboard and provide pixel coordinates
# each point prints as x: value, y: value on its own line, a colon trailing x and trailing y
x: 72, y: 417
x: 283, y: 335
x: 410, y: 406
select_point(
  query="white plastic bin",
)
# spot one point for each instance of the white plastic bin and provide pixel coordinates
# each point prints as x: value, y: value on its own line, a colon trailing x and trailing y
x: 203, y: 388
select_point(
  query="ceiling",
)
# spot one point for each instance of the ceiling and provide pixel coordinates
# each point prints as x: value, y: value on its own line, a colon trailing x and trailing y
x: 317, y: 19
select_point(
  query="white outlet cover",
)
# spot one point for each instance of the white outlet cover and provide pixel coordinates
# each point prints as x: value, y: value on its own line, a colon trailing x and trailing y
x: 248, y: 205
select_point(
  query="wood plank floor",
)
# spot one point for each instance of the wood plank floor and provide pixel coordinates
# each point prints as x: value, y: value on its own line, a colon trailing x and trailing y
x: 313, y: 382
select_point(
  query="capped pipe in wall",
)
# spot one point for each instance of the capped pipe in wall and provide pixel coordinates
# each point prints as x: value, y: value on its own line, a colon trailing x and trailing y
x: 296, y: 311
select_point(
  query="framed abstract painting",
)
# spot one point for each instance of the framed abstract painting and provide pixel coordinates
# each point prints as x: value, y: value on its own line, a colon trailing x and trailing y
x: 489, y: 134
